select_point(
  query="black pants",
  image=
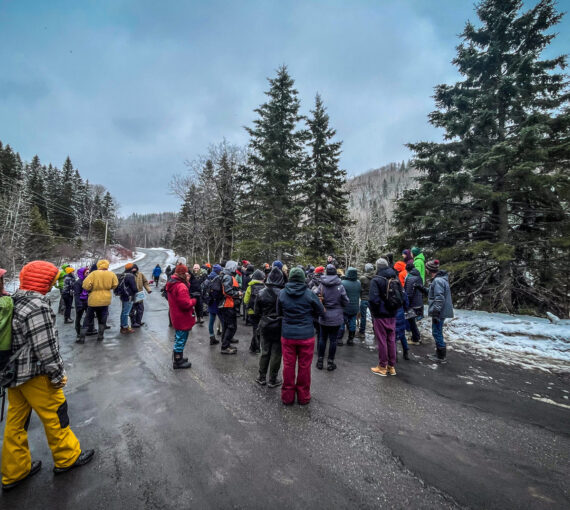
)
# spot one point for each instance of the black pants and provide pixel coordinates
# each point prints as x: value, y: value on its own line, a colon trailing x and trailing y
x: 79, y: 311
x: 228, y: 316
x: 328, y: 333
x: 414, y: 329
x: 101, y: 312
x: 137, y: 312
x: 254, y: 321
x: 68, y: 304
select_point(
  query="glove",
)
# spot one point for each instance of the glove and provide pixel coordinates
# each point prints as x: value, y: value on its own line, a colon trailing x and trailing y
x: 60, y: 384
x: 149, y: 291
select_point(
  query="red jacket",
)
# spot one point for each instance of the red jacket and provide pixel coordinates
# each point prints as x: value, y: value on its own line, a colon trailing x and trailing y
x: 181, y: 304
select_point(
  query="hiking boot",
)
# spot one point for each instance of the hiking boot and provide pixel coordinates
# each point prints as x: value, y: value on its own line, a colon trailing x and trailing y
x: 101, y: 333
x: 36, y: 466
x: 81, y: 337
x: 274, y: 383
x: 339, y: 342
x: 261, y: 380
x: 331, y: 365
x: 406, y: 355
x: 229, y: 350
x: 382, y: 371
x: 413, y: 342
x: 320, y: 363
x: 136, y: 325
x: 84, y: 458
x: 68, y: 321
x: 213, y: 340
x: 179, y: 362
x: 350, y: 340
x: 439, y: 356
x: 361, y: 334
x: 391, y: 370
x: 127, y: 330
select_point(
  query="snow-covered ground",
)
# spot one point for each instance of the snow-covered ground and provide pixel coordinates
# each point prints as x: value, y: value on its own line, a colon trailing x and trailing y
x: 529, y: 342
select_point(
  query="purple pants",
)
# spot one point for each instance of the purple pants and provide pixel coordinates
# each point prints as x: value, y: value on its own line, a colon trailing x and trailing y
x: 385, y: 333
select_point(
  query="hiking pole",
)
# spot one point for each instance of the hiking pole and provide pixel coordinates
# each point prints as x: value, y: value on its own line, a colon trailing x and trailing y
x: 3, y: 396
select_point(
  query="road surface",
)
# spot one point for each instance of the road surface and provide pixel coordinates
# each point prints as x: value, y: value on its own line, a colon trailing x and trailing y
x: 210, y: 437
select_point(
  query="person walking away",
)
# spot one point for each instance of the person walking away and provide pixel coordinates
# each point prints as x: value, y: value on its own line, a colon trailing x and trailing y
x: 229, y: 306
x: 297, y: 306
x: 269, y: 328
x: 38, y: 382
x: 137, y: 311
x: 99, y: 284
x: 212, y: 294
x: 168, y: 272
x: 196, y: 280
x: 156, y: 272
x: 365, y: 280
x: 127, y: 290
x: 353, y: 288
x: 80, y: 296
x: 332, y: 295
x: 413, y: 286
x: 254, y: 287
x: 181, y: 306
x: 67, y: 293
x: 383, y: 303
x: 440, y: 307
x: 419, y: 262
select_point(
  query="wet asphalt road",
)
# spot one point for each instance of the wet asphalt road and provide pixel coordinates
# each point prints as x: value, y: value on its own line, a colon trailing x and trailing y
x: 465, y: 434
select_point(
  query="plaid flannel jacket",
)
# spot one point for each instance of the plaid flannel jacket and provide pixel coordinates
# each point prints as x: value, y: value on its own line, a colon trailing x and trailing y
x: 33, y: 328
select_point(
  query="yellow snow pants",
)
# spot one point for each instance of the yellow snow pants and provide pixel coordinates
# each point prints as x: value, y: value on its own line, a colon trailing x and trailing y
x: 50, y: 405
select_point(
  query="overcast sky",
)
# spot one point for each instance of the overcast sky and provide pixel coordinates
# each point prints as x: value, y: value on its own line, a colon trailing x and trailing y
x: 130, y: 89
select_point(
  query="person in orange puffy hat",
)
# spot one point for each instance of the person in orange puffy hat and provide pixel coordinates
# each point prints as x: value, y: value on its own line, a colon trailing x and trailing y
x: 37, y: 382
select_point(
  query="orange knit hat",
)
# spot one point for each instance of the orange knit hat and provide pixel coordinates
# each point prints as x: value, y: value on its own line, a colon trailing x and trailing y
x: 39, y: 276
x: 128, y: 266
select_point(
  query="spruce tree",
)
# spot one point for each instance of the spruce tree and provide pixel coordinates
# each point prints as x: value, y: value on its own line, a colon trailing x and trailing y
x: 493, y: 201
x: 326, y: 203
x: 36, y: 187
x: 275, y: 172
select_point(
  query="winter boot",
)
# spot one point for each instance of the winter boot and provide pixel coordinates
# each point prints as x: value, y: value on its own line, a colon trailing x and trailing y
x: 350, y: 340
x: 320, y: 363
x: 439, y: 356
x: 214, y: 340
x: 179, y: 362
x: 361, y: 335
x: 331, y: 365
x: 127, y: 330
x: 274, y: 383
x: 391, y: 370
x: 82, y: 333
x: 381, y: 371
x: 406, y: 355
x: 101, y: 333
x: 261, y: 380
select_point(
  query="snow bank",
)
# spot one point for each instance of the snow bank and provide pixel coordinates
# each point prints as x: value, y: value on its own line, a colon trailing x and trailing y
x: 528, y: 342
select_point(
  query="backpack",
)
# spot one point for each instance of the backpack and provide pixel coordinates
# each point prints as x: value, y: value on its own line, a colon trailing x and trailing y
x: 394, y: 298
x: 120, y: 289
x: 256, y: 288
x: 6, y: 311
x: 212, y: 290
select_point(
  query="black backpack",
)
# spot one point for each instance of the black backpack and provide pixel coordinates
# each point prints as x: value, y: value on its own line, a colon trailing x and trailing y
x: 256, y: 288
x: 394, y: 298
x: 120, y: 289
x: 212, y: 290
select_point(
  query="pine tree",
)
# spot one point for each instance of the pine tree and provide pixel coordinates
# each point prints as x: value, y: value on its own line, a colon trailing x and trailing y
x: 493, y: 203
x: 36, y: 187
x: 275, y: 170
x: 326, y: 212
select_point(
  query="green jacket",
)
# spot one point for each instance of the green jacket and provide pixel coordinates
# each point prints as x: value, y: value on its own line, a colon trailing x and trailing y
x: 61, y: 277
x: 247, y: 296
x: 6, y: 309
x: 420, y: 265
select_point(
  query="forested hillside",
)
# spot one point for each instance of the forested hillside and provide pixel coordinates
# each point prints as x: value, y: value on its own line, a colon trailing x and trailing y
x: 146, y: 230
x: 49, y: 213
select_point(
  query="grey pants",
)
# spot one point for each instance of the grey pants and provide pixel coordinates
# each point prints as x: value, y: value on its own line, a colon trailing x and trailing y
x: 270, y: 356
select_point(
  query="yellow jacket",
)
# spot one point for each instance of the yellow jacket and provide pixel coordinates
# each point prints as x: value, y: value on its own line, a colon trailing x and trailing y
x: 99, y: 284
x: 142, y: 282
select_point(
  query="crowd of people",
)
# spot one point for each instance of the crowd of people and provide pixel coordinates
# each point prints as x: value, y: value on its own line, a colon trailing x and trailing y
x: 288, y: 310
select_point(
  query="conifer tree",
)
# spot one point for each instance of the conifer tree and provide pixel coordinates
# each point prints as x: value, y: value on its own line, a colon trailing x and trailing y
x: 36, y: 187
x: 276, y: 167
x: 494, y: 199
x: 326, y: 204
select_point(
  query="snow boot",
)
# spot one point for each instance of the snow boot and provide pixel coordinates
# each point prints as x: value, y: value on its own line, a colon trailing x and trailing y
x: 320, y: 363
x: 261, y: 380
x: 179, y: 362
x: 406, y: 355
x: 331, y: 365
x: 274, y: 383
x: 350, y: 340
x: 439, y: 356
x: 82, y: 333
x: 214, y: 340
x: 101, y: 332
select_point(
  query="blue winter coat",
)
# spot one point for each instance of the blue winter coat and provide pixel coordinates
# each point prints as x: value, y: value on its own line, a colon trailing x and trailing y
x: 213, y: 307
x: 401, y: 317
x: 334, y: 300
x: 415, y: 295
x: 377, y: 294
x: 298, y: 305
x: 156, y: 272
x: 439, y: 297
x: 352, y: 287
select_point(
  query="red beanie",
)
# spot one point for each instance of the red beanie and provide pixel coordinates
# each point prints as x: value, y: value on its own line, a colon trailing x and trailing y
x: 319, y: 270
x: 181, y: 269
x: 39, y: 276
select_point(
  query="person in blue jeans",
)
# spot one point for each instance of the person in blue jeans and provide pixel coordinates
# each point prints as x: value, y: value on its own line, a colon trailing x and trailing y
x: 440, y: 307
x: 365, y: 280
x: 127, y: 291
x: 353, y: 288
x: 212, y: 301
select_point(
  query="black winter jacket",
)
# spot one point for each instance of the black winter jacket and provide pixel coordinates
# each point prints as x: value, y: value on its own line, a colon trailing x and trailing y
x: 414, y: 280
x: 378, y: 288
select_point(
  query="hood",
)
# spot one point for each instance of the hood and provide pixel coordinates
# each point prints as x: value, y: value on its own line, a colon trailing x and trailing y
x: 81, y: 273
x: 103, y: 264
x: 217, y: 268
x: 295, y: 288
x: 231, y: 266
x: 258, y: 274
x: 351, y: 274
x: 387, y: 272
x: 135, y: 267
x: 420, y: 256
x: 414, y: 272
x: 369, y: 268
x: 442, y: 274
x: 330, y: 280
x: 212, y: 275
x: 400, y: 266
x: 249, y: 269
x: 275, y: 278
